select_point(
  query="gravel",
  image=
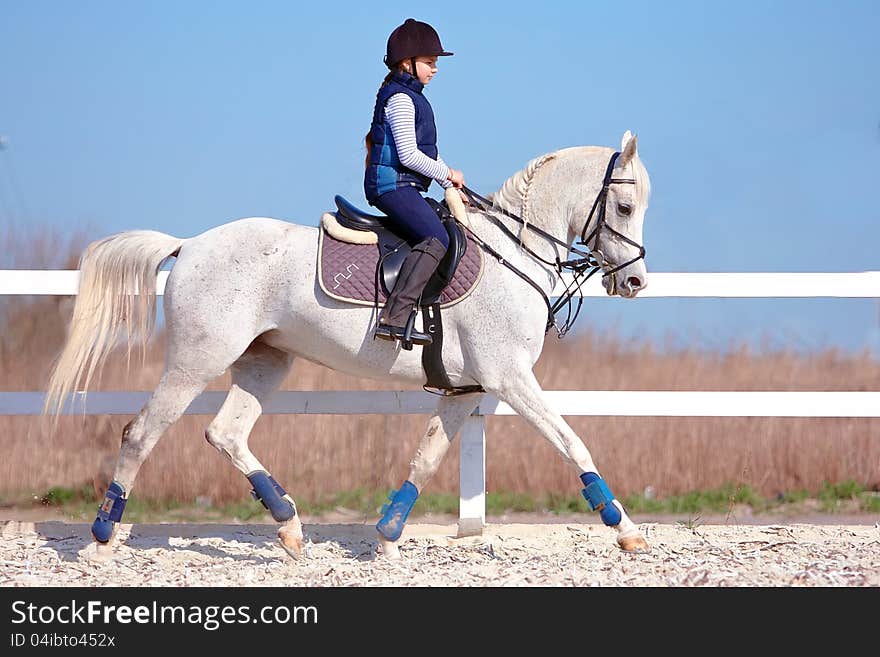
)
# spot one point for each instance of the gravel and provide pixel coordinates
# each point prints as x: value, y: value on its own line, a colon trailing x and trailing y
x: 508, y: 554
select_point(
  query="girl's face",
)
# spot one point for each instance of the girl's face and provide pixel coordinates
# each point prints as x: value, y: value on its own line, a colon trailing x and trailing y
x: 426, y: 68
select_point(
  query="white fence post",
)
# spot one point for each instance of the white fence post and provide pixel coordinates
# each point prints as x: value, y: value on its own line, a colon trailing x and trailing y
x: 472, y: 505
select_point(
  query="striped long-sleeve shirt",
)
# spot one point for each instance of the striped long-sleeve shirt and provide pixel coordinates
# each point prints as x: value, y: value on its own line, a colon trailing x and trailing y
x: 401, y: 115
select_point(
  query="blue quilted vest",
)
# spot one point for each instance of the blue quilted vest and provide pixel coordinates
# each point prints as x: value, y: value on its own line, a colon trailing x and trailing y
x: 385, y: 173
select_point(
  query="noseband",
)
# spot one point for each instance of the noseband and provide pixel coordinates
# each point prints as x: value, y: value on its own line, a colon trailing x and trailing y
x: 593, y: 259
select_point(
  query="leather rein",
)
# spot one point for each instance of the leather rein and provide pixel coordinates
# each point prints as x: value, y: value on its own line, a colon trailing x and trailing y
x: 592, y: 259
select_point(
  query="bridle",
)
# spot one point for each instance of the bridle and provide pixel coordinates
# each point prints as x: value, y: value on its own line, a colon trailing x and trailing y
x: 600, y: 203
x: 592, y: 259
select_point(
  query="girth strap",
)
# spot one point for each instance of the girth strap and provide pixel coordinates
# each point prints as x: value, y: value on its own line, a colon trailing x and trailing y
x: 432, y: 357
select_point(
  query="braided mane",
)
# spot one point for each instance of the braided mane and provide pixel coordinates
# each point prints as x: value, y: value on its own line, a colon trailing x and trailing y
x: 514, y: 193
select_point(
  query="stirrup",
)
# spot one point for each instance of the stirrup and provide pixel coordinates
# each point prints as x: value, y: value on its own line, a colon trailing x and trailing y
x: 389, y: 332
x: 407, y: 341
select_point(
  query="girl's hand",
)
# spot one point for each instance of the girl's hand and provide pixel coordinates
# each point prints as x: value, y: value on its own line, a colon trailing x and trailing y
x: 457, y: 177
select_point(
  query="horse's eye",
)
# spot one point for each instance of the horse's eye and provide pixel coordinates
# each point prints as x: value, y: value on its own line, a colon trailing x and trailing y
x: 624, y: 209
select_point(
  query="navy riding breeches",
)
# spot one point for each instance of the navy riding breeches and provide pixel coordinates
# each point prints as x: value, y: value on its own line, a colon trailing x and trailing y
x: 410, y: 216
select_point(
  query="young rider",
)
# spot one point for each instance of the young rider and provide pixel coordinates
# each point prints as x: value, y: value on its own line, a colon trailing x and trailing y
x: 402, y: 160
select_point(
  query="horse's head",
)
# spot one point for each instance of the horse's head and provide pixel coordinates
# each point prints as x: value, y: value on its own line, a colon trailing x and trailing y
x: 612, y: 230
x: 592, y: 196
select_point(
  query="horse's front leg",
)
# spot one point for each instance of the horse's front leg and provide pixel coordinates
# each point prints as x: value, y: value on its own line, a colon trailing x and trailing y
x: 523, y: 393
x: 444, y: 424
x: 255, y: 376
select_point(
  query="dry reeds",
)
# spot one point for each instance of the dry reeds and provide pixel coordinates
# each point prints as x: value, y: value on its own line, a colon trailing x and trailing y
x: 314, y: 456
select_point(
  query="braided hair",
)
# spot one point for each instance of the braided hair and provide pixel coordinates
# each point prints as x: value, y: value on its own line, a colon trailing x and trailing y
x: 368, y: 139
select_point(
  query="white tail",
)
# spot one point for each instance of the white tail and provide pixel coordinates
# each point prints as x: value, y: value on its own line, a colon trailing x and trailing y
x: 117, y: 285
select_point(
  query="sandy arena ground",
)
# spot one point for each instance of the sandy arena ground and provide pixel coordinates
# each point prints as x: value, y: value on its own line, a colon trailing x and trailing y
x: 54, y: 553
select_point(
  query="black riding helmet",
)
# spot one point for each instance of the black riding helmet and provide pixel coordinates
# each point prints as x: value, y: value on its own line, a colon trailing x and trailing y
x: 410, y: 40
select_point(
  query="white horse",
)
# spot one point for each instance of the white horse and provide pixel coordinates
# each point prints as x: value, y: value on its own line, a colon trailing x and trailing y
x: 244, y: 296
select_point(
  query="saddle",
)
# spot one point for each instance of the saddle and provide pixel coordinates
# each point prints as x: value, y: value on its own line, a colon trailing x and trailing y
x: 359, y: 260
x: 393, y: 249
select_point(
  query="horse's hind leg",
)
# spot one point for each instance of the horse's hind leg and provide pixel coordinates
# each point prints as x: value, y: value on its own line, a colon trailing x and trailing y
x: 255, y: 376
x: 177, y: 388
x: 522, y: 392
x: 444, y: 424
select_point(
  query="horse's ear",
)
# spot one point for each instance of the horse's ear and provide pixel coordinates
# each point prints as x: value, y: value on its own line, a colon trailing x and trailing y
x: 629, y: 146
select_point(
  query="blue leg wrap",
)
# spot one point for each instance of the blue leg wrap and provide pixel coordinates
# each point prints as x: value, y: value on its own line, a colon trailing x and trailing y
x: 599, y: 497
x: 269, y: 492
x: 109, y: 512
x: 395, y: 514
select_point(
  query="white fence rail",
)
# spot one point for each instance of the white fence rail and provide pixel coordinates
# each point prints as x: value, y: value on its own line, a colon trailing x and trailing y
x: 652, y: 403
x: 714, y: 284
x: 472, y: 513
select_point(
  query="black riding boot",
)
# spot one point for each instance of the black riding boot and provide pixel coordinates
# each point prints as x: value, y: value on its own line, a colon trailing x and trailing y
x: 415, y: 272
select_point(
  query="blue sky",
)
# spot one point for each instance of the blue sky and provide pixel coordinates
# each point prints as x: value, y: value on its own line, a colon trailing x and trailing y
x: 759, y: 123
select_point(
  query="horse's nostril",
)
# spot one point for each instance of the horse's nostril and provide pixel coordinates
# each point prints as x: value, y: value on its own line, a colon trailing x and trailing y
x: 634, y: 282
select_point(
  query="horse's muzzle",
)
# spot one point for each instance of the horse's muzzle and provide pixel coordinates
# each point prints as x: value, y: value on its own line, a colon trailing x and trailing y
x: 628, y: 289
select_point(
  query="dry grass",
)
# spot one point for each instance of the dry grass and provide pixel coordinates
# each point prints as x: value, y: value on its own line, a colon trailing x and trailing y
x: 317, y: 455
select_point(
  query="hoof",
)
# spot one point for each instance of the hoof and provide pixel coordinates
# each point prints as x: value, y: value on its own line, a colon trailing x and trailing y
x: 388, y: 549
x: 98, y: 553
x: 635, y: 544
x: 291, y: 539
